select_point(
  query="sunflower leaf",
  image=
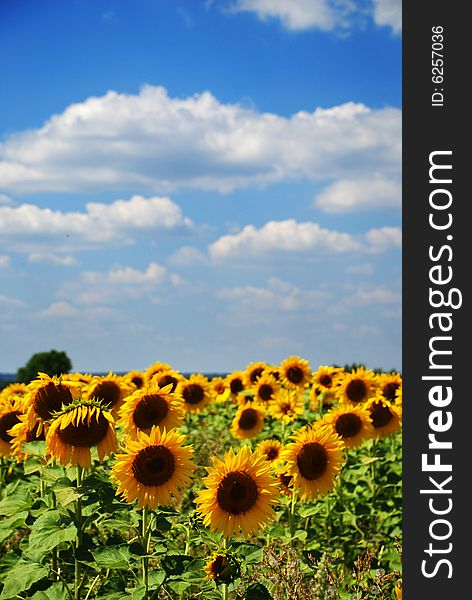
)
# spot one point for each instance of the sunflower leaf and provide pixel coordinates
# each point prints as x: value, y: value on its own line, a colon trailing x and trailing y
x: 57, y: 591
x: 48, y: 531
x: 22, y: 577
x: 112, y: 557
x: 257, y: 591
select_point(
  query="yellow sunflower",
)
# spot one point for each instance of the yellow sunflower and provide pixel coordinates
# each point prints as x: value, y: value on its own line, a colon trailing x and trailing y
x: 351, y: 423
x: 265, y: 388
x: 295, y: 372
x: 239, y: 492
x: 10, y: 413
x: 221, y: 568
x: 272, y: 370
x: 219, y: 390
x: 82, y: 378
x: 136, y: 378
x: 386, y: 417
x: 13, y: 390
x: 236, y: 383
x: 285, y: 483
x: 156, y: 367
x: 271, y: 450
x: 357, y: 387
x: 79, y: 427
x: 253, y: 372
x: 389, y: 385
x: 320, y: 400
x: 248, y: 421
x: 326, y: 377
x: 287, y: 405
x: 151, y: 406
x: 399, y: 590
x: 110, y: 390
x: 21, y: 433
x: 195, y: 392
x: 153, y: 468
x: 314, y: 459
x: 46, y: 396
x: 168, y: 377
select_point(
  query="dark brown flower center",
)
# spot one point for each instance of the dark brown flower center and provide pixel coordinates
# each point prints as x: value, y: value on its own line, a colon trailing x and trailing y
x: 168, y: 380
x: 312, y: 460
x: 138, y: 381
x: 348, y: 425
x: 356, y: 390
x: 85, y: 434
x: 272, y: 454
x: 380, y: 414
x: 265, y: 392
x: 326, y: 381
x: 219, y: 565
x: 50, y: 398
x: 108, y: 392
x: 295, y: 374
x: 237, y: 493
x: 236, y: 385
x: 220, y: 387
x: 193, y: 393
x: 151, y: 410
x: 285, y: 480
x: 248, y: 418
x: 32, y: 434
x: 255, y: 374
x: 6, y: 423
x: 153, y: 465
x: 390, y: 389
x: 285, y: 408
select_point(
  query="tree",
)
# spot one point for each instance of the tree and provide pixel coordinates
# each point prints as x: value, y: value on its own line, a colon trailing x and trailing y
x: 51, y: 363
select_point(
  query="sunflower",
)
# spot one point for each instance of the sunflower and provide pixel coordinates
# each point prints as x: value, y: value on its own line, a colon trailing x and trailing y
x: 386, y: 417
x: 136, y: 378
x: 10, y: 413
x: 352, y: 424
x: 357, y: 387
x: 314, y: 459
x: 195, y: 392
x: 285, y: 483
x: 389, y: 385
x: 399, y: 590
x: 222, y: 568
x: 82, y: 378
x: 248, y: 421
x: 320, y: 400
x: 295, y: 372
x: 153, y: 468
x: 326, y: 377
x: 110, y: 390
x: 21, y: 433
x: 287, y: 405
x: 271, y: 450
x: 236, y: 383
x: 219, y: 390
x: 265, y: 388
x: 272, y: 370
x: 253, y: 372
x: 239, y: 492
x: 46, y: 396
x: 13, y: 390
x: 151, y: 406
x: 167, y: 377
x: 79, y: 427
x: 156, y: 367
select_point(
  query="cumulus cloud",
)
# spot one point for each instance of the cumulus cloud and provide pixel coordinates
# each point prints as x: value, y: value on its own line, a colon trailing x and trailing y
x: 388, y: 12
x: 187, y: 256
x: 289, y: 236
x: 4, y: 261
x: 4, y: 199
x: 118, y: 285
x: 324, y: 15
x: 10, y: 302
x: 55, y: 259
x: 153, y: 143
x: 349, y: 195
x: 28, y: 227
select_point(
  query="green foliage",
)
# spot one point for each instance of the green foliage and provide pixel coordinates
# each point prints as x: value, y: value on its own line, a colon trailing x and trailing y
x: 52, y: 363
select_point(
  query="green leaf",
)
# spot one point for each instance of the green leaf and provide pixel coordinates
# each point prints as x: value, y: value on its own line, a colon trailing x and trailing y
x: 48, y: 532
x: 65, y: 491
x: 175, y: 564
x: 9, y: 525
x: 309, y: 511
x: 251, y: 553
x: 257, y: 591
x: 11, y: 506
x: 57, y: 591
x: 22, y: 577
x: 37, y: 448
x: 178, y: 586
x: 300, y: 534
x: 112, y: 557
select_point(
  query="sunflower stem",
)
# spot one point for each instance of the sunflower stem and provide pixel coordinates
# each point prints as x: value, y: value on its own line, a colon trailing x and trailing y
x: 293, y: 505
x: 54, y: 550
x: 78, y: 517
x: 145, y: 542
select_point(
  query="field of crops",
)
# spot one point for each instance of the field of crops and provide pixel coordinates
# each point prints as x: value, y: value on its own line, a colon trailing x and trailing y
x: 280, y: 481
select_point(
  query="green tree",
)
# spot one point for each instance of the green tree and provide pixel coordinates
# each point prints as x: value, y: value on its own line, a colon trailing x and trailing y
x: 51, y: 363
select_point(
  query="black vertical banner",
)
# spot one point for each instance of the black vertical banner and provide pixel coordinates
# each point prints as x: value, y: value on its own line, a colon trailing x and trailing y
x: 437, y: 427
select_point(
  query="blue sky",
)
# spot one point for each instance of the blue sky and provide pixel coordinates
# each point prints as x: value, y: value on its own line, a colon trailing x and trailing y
x: 202, y: 183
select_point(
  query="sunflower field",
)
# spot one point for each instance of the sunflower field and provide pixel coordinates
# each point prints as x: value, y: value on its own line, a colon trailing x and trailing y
x: 276, y: 482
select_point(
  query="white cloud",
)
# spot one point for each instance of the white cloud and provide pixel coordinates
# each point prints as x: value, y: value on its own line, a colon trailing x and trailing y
x: 11, y: 302
x: 289, y: 236
x: 4, y: 199
x: 377, y: 295
x: 361, y: 269
x: 4, y: 261
x: 28, y: 227
x: 349, y: 195
x: 55, y: 259
x: 153, y: 143
x: 278, y: 295
x: 388, y: 12
x: 187, y: 256
x: 325, y: 15
x: 118, y: 285
x: 60, y: 310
